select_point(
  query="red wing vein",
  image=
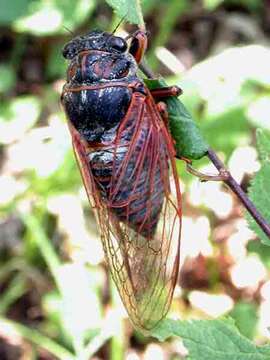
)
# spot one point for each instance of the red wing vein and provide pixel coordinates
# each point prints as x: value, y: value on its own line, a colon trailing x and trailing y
x: 139, y: 221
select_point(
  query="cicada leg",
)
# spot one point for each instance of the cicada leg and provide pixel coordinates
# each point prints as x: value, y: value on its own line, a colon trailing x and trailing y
x: 167, y: 91
x: 162, y: 108
x: 221, y: 176
x: 138, y: 45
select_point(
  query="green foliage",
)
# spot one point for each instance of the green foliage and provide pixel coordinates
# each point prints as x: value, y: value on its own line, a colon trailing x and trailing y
x: 11, y: 10
x: 130, y: 10
x: 212, y: 4
x: 260, y: 186
x: 7, y: 78
x: 65, y: 177
x: 258, y: 112
x: 17, y: 116
x: 263, y: 145
x: 212, y: 340
x: 56, y: 67
x: 227, y: 105
x: 227, y: 130
x: 171, y: 12
x: 72, y: 298
x: 225, y: 99
x: 38, y: 339
x: 19, y: 107
x: 34, y: 17
x: 261, y: 250
x: 245, y: 316
x: 189, y: 141
x: 16, y: 288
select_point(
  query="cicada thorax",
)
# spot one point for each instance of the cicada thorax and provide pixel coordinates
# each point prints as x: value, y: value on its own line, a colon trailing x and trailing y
x: 93, y: 101
x: 124, y: 150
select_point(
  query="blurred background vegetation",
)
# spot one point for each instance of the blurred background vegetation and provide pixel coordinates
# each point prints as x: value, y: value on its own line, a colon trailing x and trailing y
x: 56, y: 298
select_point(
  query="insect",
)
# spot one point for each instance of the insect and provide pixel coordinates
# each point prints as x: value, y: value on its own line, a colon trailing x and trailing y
x: 126, y: 155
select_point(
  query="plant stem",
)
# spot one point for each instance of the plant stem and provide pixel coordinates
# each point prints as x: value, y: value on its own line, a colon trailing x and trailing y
x: 229, y: 180
x: 236, y: 188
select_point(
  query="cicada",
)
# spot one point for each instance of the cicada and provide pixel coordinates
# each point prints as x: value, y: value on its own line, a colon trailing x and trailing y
x: 126, y: 155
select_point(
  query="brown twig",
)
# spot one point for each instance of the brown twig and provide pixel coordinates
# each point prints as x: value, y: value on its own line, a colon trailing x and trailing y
x: 236, y: 188
x: 228, y: 179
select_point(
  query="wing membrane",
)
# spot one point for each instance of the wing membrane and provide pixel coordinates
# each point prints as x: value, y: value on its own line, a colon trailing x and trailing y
x: 140, y: 216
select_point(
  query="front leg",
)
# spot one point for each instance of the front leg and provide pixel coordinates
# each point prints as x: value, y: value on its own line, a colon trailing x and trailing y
x: 167, y: 91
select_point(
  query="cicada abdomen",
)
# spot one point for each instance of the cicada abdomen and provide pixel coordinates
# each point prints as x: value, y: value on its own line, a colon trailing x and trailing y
x: 126, y: 157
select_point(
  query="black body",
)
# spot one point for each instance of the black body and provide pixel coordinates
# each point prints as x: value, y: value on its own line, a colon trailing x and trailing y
x: 99, y: 61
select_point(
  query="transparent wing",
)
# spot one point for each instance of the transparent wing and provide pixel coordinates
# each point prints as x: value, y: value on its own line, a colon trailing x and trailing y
x: 140, y: 218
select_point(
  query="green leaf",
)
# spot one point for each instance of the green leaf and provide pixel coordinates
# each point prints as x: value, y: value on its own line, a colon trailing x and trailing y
x: 261, y: 250
x: 11, y: 10
x: 189, y: 141
x: 7, y: 78
x: 126, y: 8
x: 60, y: 12
x: 16, y: 288
x: 56, y: 67
x: 227, y: 130
x: 259, y: 194
x: 222, y: 97
x: 212, y: 4
x: 212, y: 340
x: 260, y: 186
x: 263, y: 144
x: 245, y: 316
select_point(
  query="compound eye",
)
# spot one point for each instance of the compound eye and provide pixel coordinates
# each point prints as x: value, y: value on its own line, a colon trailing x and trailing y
x: 118, y: 44
x: 69, y: 51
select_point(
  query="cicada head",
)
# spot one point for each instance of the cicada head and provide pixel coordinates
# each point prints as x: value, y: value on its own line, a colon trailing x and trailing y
x: 95, y: 40
x: 99, y: 55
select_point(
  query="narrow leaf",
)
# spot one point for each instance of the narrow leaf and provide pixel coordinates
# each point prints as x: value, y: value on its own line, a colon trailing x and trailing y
x: 126, y: 8
x: 35, y: 337
x: 189, y: 142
